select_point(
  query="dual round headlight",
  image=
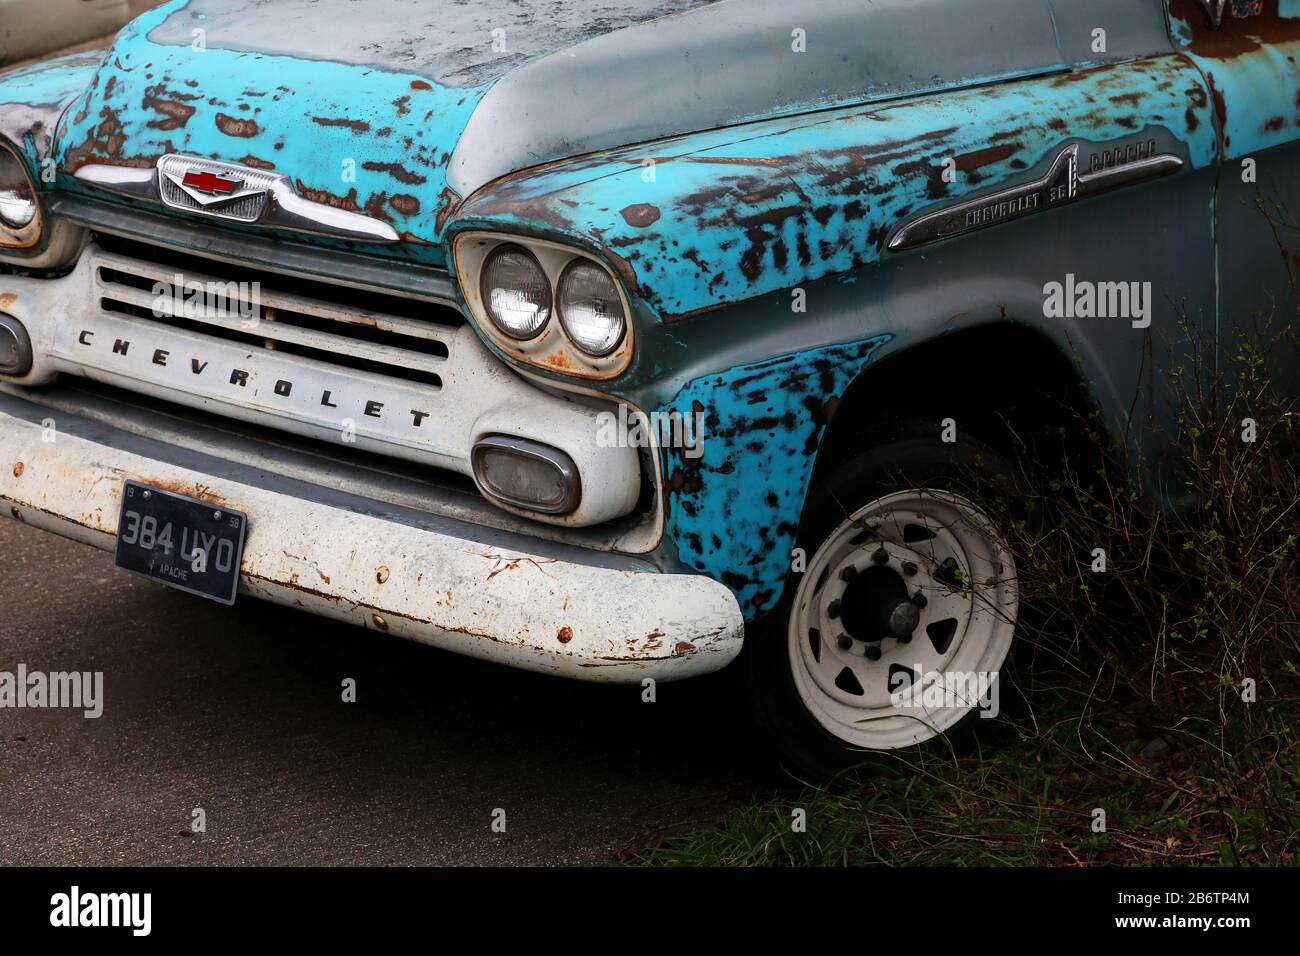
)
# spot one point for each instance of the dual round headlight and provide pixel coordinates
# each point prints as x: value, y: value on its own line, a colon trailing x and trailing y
x: 517, y: 296
x: 17, y: 198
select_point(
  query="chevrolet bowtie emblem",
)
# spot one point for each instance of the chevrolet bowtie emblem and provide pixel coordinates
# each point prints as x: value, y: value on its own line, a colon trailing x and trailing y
x: 1064, y: 183
x: 211, y: 183
x: 213, y: 187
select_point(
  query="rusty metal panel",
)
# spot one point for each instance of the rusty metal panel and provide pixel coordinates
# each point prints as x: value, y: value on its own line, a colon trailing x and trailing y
x: 737, y: 213
x: 1252, y: 66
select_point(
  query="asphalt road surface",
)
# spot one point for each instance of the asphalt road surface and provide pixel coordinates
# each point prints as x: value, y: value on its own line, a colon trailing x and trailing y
x: 239, y: 711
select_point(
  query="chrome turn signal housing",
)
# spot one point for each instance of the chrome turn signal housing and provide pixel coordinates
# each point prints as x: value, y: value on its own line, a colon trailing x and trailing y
x: 526, y: 474
x: 15, y: 347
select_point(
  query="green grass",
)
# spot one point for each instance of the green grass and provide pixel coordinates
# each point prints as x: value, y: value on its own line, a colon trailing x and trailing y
x: 1030, y: 801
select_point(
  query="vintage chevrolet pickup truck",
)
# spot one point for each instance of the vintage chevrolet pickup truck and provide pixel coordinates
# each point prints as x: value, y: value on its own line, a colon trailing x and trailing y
x: 588, y: 341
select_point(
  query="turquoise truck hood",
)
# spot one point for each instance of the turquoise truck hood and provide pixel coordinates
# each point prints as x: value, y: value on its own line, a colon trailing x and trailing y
x: 359, y: 103
x: 400, y: 109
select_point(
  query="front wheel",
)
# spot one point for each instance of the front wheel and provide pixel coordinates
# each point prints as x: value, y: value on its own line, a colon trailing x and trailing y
x: 893, y: 639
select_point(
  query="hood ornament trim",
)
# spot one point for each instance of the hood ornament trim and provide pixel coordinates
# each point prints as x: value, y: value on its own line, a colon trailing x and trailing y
x: 206, y: 187
x: 214, y: 189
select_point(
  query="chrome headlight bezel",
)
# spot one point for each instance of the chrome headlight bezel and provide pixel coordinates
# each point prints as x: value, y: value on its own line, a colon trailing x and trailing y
x: 28, y: 235
x: 551, y: 348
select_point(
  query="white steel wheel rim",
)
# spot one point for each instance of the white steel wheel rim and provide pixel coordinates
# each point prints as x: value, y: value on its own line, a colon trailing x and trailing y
x: 921, y: 531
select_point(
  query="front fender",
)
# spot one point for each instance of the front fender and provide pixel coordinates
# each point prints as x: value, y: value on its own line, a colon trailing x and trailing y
x: 756, y: 258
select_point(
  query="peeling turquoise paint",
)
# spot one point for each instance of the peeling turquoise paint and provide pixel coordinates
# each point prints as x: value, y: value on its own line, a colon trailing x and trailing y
x: 351, y: 136
x: 50, y: 81
x: 1180, y: 30
x: 1252, y: 65
x: 730, y: 217
x: 734, y: 510
x: 30, y: 96
x: 724, y: 216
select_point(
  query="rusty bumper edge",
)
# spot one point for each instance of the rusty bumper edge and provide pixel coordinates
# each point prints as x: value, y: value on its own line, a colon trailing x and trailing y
x: 514, y: 606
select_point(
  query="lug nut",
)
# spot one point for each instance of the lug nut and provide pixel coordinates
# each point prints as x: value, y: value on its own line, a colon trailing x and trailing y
x: 844, y: 642
x: 880, y: 556
x: 909, y: 568
x: 833, y: 609
x: 849, y: 573
x: 873, y: 652
x: 919, y: 600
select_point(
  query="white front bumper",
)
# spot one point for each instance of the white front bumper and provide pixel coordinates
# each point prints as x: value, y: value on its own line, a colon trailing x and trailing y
x: 501, y: 597
x: 328, y: 540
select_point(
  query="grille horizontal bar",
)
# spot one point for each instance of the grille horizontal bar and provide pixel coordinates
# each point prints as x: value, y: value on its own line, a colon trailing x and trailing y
x: 403, y: 346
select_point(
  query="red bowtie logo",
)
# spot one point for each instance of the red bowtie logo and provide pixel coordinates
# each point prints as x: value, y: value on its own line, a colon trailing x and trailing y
x: 211, y: 183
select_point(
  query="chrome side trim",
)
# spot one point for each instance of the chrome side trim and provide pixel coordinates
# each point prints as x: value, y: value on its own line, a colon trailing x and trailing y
x: 283, y: 208
x: 1063, y: 184
x: 1115, y: 176
x: 1058, y: 186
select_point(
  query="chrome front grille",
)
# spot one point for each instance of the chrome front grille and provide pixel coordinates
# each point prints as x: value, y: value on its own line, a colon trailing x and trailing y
x: 389, y: 335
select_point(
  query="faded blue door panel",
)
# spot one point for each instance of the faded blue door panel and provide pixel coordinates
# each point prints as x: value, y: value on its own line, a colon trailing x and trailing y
x: 1252, y: 66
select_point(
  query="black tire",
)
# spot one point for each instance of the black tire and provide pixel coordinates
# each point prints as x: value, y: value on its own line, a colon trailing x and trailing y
x: 909, y: 455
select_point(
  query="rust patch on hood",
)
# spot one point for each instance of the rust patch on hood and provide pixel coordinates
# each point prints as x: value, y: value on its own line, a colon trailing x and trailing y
x: 640, y: 214
x: 234, y: 126
x: 397, y: 171
x: 348, y: 202
x: 174, y: 114
x: 357, y: 126
x: 406, y: 204
x: 449, y: 202
x: 984, y: 157
x: 104, y: 145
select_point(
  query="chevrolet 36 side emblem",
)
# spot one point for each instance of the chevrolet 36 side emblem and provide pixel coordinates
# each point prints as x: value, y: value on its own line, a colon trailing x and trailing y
x: 1062, y: 184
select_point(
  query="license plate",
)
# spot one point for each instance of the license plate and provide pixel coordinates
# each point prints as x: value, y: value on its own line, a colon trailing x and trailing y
x: 182, y: 542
